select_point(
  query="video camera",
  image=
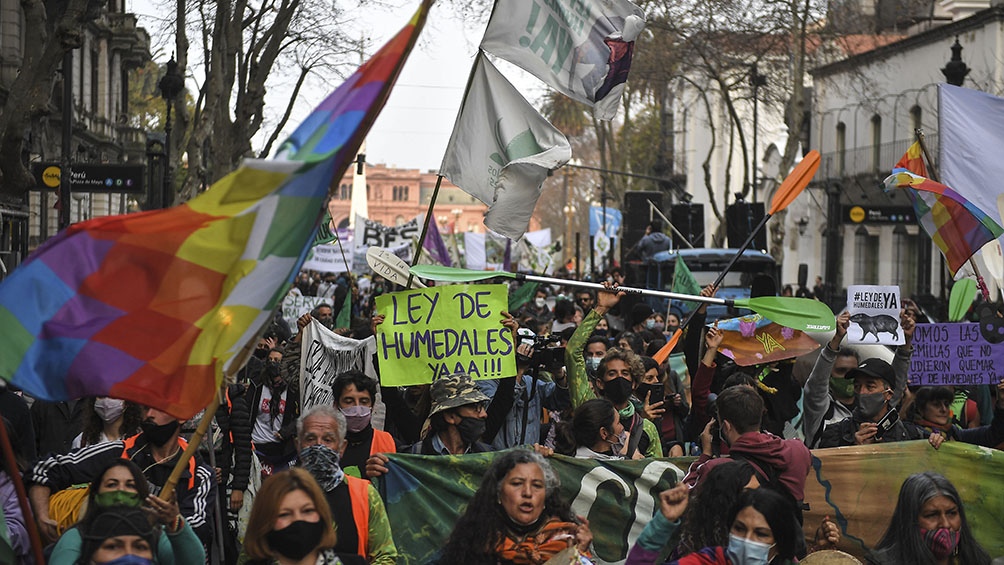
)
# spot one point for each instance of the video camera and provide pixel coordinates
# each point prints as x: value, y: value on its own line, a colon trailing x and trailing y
x: 544, y: 354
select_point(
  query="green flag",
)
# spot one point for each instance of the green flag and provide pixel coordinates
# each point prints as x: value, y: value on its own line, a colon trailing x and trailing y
x: 522, y: 295
x: 684, y: 281
x: 344, y: 317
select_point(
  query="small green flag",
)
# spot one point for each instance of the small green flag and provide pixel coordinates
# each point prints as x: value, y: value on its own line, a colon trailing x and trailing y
x: 344, y: 317
x: 324, y: 233
x: 684, y: 281
x: 522, y: 295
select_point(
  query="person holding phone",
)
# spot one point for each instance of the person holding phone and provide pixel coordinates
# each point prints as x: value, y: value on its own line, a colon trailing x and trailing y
x: 874, y: 418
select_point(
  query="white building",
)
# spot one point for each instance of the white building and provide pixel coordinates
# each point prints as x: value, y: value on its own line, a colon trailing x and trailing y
x: 866, y: 109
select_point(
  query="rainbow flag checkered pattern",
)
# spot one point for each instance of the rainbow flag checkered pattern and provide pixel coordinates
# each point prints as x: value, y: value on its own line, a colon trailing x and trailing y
x: 156, y: 307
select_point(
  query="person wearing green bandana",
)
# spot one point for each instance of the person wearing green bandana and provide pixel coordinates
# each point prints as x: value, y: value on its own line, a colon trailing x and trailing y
x: 122, y: 484
x: 828, y: 396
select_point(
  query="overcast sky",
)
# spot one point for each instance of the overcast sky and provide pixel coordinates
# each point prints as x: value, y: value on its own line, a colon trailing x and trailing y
x: 414, y: 127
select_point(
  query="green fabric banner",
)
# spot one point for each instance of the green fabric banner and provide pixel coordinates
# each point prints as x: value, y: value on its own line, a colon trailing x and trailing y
x: 857, y: 487
x: 684, y: 282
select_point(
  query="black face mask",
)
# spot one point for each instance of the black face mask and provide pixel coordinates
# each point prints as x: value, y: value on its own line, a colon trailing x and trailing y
x: 261, y: 353
x: 470, y: 429
x: 617, y: 390
x: 296, y: 540
x: 159, y: 434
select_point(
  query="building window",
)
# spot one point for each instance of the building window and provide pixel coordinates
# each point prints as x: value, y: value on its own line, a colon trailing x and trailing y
x: 876, y: 142
x: 400, y: 193
x: 905, y: 267
x: 841, y: 146
x: 866, y: 249
x: 344, y: 192
x: 915, y: 118
x: 94, y: 81
x: 369, y: 193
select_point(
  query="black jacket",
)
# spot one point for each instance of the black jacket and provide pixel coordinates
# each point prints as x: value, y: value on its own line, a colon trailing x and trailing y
x: 842, y: 433
x: 234, y: 421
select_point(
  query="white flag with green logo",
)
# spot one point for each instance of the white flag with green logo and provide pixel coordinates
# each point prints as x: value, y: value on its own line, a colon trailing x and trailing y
x: 501, y: 150
x: 582, y: 48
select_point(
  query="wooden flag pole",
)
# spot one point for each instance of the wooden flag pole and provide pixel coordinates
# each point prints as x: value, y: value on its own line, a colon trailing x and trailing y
x: 22, y: 496
x: 193, y: 446
x: 429, y: 215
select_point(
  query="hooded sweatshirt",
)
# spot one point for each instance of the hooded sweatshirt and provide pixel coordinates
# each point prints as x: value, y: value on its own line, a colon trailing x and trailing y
x: 789, y: 457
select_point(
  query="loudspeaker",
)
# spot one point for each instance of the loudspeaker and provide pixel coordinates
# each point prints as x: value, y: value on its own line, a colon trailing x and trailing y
x: 637, y: 216
x: 803, y: 275
x: 740, y: 219
x: 688, y: 219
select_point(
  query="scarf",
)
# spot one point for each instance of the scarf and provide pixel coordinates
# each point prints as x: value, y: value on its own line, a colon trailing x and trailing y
x: 946, y: 430
x: 536, y: 548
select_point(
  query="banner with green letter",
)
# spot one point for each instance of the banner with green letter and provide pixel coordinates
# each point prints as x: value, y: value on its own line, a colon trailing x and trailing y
x: 434, y: 332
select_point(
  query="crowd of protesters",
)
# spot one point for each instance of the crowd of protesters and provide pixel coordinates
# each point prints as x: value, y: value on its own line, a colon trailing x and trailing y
x: 588, y: 385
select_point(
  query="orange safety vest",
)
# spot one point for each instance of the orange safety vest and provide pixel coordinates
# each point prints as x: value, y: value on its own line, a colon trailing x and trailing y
x: 131, y: 442
x: 359, y: 496
x: 382, y: 442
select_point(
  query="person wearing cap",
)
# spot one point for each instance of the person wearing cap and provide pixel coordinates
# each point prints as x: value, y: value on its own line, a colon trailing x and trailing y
x: 874, y: 383
x: 457, y: 419
x: 828, y: 395
x: 356, y: 507
x: 117, y: 533
x: 642, y: 318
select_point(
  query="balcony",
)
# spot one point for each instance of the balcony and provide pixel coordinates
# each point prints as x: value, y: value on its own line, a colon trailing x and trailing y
x: 871, y: 160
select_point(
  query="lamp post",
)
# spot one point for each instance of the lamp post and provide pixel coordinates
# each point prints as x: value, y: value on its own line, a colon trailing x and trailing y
x: 956, y: 70
x: 170, y: 85
x: 756, y: 81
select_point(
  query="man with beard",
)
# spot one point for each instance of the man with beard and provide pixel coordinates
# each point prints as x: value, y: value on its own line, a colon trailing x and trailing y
x: 273, y: 410
x: 356, y: 508
x: 156, y: 450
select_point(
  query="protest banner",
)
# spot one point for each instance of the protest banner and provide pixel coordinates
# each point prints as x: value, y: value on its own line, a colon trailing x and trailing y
x: 324, y: 356
x: 954, y: 354
x: 369, y: 232
x: 856, y: 487
x: 329, y: 258
x: 295, y: 305
x: 752, y: 340
x: 874, y: 314
x: 435, y: 332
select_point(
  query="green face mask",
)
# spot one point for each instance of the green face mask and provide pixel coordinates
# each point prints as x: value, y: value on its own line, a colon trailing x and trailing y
x: 842, y: 388
x: 117, y: 498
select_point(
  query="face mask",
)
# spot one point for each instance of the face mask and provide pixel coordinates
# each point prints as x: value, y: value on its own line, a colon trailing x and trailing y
x: 273, y: 368
x: 593, y: 365
x: 470, y: 429
x: 842, y: 388
x: 261, y: 353
x: 357, y: 417
x: 747, y: 552
x: 617, y: 390
x: 129, y: 560
x: 602, y: 332
x: 296, y: 540
x: 539, y: 302
x: 117, y: 498
x: 323, y: 463
x: 942, y: 542
x: 159, y: 435
x: 658, y: 327
x: 650, y: 324
x: 869, y: 405
x: 109, y: 409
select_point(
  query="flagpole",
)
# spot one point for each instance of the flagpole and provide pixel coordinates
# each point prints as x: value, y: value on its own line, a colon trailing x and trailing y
x: 429, y: 215
x: 934, y: 176
x: 22, y: 496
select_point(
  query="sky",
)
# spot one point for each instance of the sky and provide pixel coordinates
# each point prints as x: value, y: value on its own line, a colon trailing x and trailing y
x: 414, y: 128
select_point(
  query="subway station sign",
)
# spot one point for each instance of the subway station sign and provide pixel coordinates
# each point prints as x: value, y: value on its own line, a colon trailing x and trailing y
x: 879, y: 215
x: 90, y: 177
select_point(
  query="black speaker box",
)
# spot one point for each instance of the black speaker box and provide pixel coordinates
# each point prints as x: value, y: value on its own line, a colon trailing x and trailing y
x: 688, y: 219
x: 637, y: 216
x: 740, y: 219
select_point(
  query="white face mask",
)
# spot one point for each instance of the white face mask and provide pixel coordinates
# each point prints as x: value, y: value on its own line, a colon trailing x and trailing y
x: 109, y: 409
x: 539, y: 302
x: 748, y: 552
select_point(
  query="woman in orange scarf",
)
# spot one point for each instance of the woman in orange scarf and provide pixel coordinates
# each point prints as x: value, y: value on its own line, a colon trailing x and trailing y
x: 516, y: 517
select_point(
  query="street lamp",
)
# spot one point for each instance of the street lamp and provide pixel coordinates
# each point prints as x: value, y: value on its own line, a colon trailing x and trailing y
x: 170, y: 85
x: 956, y: 70
x: 756, y: 81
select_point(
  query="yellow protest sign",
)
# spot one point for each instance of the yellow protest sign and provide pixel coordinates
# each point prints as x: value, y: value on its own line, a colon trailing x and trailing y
x: 435, y: 332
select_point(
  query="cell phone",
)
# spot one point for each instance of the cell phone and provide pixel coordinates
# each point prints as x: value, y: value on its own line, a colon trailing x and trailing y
x: 887, y: 422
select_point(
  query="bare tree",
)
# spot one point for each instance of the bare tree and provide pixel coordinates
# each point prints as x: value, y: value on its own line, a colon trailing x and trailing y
x: 53, y: 29
x: 246, y: 49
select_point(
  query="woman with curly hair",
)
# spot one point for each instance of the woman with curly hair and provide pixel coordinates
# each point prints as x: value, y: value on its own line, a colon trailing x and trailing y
x: 108, y: 419
x: 928, y: 527
x: 516, y: 517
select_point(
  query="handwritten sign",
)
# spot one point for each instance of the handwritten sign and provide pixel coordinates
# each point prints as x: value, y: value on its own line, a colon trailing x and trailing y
x: 294, y: 306
x: 329, y: 258
x: 954, y: 354
x: 325, y: 355
x: 369, y: 232
x: 874, y: 315
x: 435, y: 332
